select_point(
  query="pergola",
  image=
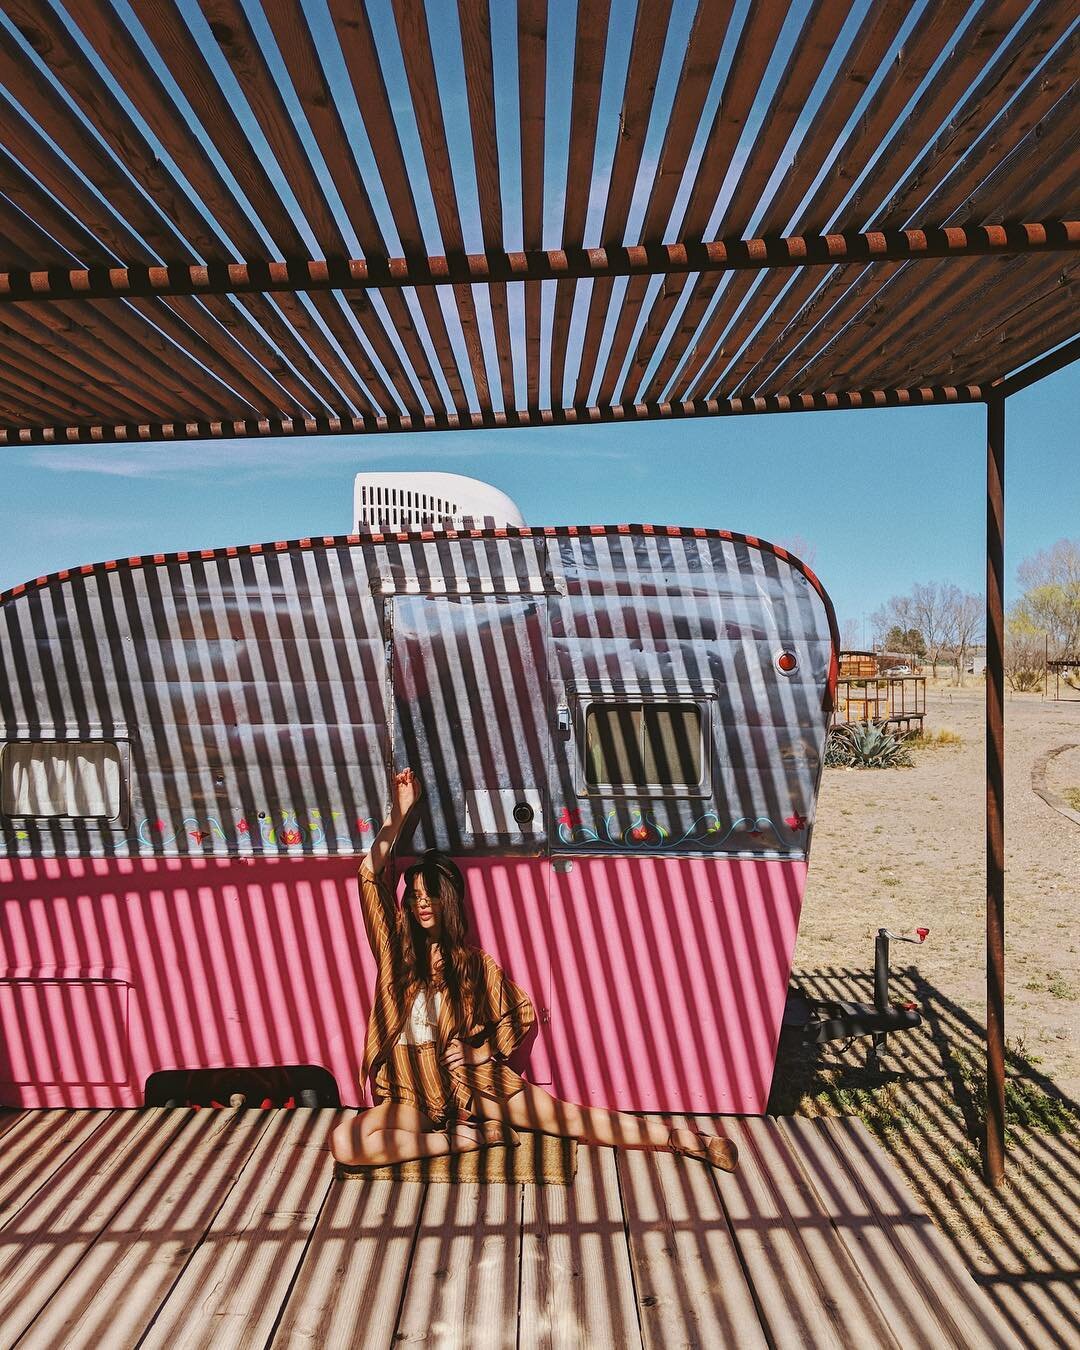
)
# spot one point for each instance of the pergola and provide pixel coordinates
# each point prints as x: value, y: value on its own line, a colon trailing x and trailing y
x: 309, y: 217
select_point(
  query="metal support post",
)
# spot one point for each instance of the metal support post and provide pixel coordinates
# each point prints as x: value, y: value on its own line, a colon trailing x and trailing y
x: 995, y: 792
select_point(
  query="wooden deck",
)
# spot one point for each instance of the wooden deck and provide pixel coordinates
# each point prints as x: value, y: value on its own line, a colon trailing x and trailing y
x: 219, y: 1228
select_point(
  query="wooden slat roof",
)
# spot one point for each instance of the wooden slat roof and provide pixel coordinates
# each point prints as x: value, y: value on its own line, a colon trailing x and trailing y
x: 506, y: 206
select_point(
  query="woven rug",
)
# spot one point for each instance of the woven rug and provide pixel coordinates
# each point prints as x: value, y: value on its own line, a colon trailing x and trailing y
x: 539, y: 1160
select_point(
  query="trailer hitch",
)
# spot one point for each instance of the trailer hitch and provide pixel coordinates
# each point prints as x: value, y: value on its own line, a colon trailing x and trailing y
x: 822, y: 1020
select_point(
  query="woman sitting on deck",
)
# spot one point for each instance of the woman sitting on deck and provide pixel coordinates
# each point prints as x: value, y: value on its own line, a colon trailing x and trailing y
x: 444, y: 1020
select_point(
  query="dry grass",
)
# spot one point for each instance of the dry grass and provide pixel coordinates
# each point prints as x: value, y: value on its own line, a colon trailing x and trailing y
x: 1072, y: 796
x: 935, y: 740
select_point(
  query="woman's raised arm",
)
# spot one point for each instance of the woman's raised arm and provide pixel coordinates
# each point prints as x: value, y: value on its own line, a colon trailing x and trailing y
x: 376, y: 900
x: 404, y: 794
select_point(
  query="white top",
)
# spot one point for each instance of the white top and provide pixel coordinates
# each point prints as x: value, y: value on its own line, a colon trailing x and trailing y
x: 419, y: 1028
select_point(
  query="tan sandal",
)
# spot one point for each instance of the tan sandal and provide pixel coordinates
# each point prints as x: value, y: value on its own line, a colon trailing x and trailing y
x: 495, y: 1132
x: 714, y: 1149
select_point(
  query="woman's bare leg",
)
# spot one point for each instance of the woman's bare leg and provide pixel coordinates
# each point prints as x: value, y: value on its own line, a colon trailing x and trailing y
x: 535, y: 1109
x: 394, y: 1132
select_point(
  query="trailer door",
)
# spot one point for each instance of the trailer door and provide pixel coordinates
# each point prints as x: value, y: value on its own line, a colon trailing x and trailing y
x: 470, y: 692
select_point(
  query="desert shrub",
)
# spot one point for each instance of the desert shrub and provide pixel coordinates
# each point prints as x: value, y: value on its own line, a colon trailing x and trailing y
x: 1024, y: 679
x: 864, y: 745
x: 1072, y: 796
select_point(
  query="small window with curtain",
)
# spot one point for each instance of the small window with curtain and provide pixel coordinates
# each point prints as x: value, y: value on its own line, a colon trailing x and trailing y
x: 61, y: 779
x: 644, y: 745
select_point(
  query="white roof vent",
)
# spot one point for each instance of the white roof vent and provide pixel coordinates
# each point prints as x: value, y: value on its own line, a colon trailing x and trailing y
x: 439, y: 501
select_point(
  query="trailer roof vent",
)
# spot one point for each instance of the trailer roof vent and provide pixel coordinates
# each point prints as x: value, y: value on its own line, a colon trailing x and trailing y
x: 430, y: 501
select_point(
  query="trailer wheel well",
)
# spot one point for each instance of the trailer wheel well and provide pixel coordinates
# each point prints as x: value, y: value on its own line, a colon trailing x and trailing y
x: 258, y: 1084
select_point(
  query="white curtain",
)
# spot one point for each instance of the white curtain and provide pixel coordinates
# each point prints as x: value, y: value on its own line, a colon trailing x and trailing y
x: 63, y: 778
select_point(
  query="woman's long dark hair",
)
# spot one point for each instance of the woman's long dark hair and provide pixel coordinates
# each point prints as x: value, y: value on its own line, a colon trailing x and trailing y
x: 445, y: 886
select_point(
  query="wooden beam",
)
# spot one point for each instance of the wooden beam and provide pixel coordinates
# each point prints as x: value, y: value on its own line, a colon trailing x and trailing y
x: 360, y: 274
x: 478, y: 421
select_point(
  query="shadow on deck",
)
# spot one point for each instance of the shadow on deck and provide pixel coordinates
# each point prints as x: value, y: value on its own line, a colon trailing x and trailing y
x: 223, y: 1228
x: 925, y: 1104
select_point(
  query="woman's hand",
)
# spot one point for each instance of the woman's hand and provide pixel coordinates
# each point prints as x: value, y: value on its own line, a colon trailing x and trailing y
x: 458, y: 1053
x: 406, y: 793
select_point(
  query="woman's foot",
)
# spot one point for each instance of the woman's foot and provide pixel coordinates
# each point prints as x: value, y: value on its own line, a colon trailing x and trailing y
x: 465, y: 1139
x: 711, y: 1148
x: 496, y: 1132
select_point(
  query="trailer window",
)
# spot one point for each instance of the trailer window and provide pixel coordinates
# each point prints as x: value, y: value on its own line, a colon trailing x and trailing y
x: 643, y: 745
x: 61, y: 779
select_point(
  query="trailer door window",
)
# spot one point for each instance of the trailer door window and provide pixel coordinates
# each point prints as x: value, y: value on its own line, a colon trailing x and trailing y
x: 61, y: 779
x: 643, y: 745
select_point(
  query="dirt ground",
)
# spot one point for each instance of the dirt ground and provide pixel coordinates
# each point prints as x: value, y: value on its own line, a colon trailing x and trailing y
x: 905, y: 847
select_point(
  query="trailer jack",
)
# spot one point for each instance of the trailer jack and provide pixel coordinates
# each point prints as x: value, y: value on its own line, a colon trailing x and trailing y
x: 821, y: 1020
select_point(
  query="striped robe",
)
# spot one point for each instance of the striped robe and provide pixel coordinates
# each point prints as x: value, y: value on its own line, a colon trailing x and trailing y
x: 502, y: 1013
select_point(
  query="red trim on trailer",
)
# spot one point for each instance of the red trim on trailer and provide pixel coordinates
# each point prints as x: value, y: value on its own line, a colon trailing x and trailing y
x: 329, y: 541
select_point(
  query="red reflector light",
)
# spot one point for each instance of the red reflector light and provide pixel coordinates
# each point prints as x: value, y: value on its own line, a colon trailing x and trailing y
x: 787, y: 662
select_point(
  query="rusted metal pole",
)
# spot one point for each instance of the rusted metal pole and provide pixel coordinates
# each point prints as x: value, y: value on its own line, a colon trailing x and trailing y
x: 995, y: 791
x: 360, y: 274
x: 262, y: 427
x: 1046, y: 365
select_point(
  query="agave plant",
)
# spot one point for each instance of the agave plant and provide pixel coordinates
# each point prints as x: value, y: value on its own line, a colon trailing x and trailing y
x: 865, y: 745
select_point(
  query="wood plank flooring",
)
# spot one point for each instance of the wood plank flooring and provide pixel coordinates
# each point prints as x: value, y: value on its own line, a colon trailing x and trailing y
x: 227, y: 1229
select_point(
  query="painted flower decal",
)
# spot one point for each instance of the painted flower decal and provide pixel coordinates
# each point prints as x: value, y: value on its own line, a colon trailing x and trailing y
x: 242, y: 827
x: 639, y: 834
x: 290, y: 836
x: 796, y: 821
x: 364, y: 826
x: 571, y: 819
x: 197, y: 836
x: 158, y: 825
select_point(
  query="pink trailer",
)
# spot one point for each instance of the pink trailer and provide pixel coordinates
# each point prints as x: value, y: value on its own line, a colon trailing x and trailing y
x: 620, y: 732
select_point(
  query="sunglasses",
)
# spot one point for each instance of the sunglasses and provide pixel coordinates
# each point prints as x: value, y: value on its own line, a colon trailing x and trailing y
x: 410, y: 896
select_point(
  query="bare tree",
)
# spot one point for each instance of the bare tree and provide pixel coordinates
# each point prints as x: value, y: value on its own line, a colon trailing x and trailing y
x: 962, y: 623
x: 931, y: 609
x: 850, y: 635
x: 898, y: 612
x: 803, y: 549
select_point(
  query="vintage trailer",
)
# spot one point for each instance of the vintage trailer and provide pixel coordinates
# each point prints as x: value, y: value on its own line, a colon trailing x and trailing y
x: 619, y: 729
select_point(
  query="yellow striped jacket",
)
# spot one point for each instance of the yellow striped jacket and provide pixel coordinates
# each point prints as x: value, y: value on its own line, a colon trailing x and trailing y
x: 502, y: 1013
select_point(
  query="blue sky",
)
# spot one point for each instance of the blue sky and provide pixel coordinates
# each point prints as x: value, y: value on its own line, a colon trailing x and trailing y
x: 882, y: 499
x: 875, y: 500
